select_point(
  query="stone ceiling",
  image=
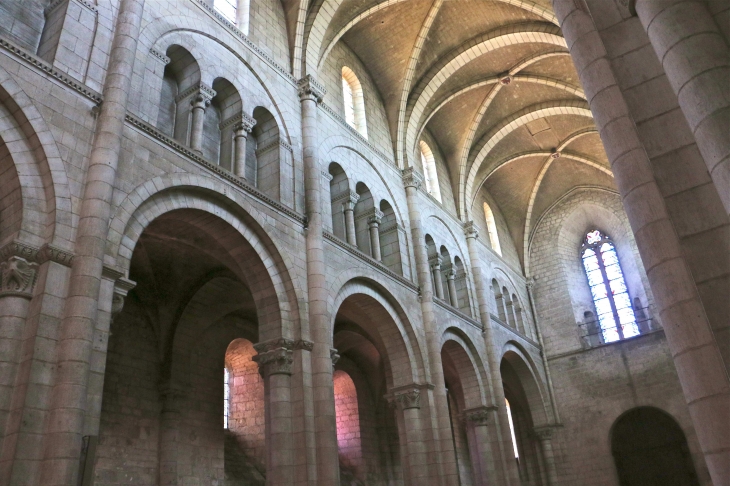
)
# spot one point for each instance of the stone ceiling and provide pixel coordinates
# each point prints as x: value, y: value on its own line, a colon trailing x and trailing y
x: 490, y: 80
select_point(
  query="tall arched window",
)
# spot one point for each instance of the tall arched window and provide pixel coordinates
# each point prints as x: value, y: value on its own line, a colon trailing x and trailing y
x: 492, y: 229
x: 429, y: 171
x: 512, y: 429
x: 608, y: 287
x: 226, y: 397
x: 354, y: 101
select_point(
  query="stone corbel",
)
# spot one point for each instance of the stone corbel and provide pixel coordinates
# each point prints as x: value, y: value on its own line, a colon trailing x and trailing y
x: 122, y: 286
x: 334, y: 356
x: 478, y: 416
x: 411, y: 178
x: 18, y: 277
x: 309, y: 89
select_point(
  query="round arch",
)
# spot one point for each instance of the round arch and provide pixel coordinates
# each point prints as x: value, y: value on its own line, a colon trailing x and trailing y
x: 521, y: 367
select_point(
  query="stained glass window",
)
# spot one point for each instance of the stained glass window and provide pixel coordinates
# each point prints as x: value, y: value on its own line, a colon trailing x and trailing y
x: 226, y: 397
x: 608, y: 288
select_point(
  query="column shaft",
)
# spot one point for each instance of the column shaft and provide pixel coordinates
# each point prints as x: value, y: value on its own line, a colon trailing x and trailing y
x: 350, y: 222
x: 199, y: 103
x: 702, y: 86
x: 239, y: 155
x: 374, y: 228
x: 13, y: 313
x: 438, y: 281
x: 452, y: 289
x: 62, y: 446
x: 328, y: 472
x: 695, y: 352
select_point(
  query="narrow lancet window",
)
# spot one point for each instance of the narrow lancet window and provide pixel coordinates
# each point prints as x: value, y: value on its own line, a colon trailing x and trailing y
x: 429, y: 171
x: 354, y: 101
x: 492, y: 229
x: 512, y: 429
x: 226, y: 397
x: 608, y: 288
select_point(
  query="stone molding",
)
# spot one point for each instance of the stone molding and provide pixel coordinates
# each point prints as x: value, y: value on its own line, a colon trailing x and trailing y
x: 392, y: 226
x: 47, y: 68
x: 309, y: 89
x: 274, y: 144
x: 159, y: 56
x: 19, y: 249
x: 55, y: 254
x: 544, y: 432
x: 411, y: 178
x: 215, y: 168
x: 374, y: 213
x: 304, y: 345
x: 203, y: 94
x: 327, y: 175
x: 346, y: 197
x: 53, y: 6
x: 18, y: 277
x: 478, y: 416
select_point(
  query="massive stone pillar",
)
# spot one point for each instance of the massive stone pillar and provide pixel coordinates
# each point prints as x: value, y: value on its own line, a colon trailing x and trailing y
x: 696, y: 60
x: 310, y: 94
x: 171, y: 396
x: 442, y: 467
x: 63, y: 441
x: 507, y: 472
x: 275, y: 360
x: 545, y: 437
x: 484, y: 459
x: 696, y: 355
x: 241, y: 131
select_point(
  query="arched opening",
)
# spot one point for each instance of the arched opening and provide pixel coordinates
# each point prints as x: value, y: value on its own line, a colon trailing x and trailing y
x: 499, y: 302
x: 339, y: 197
x: 372, y: 360
x: 179, y: 80
x: 650, y: 449
x: 492, y: 229
x: 354, y: 101
x: 392, y: 240
x: 220, y: 118
x: 364, y: 209
x: 430, y: 175
x: 245, y: 435
x: 265, y: 164
x: 526, y: 412
x: 203, y: 295
x: 461, y: 286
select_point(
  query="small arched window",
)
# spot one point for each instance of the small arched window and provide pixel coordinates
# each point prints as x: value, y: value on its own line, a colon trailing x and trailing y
x: 226, y: 397
x: 354, y: 102
x: 608, y: 288
x: 512, y: 429
x: 492, y: 229
x: 429, y: 171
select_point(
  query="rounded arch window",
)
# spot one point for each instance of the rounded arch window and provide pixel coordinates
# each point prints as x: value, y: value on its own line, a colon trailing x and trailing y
x: 492, y: 229
x: 429, y: 171
x: 608, y: 288
x: 354, y: 101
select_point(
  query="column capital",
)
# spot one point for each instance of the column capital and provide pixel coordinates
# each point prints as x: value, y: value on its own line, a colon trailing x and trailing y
x: 245, y: 124
x: 544, y: 432
x: 17, y: 277
x: 470, y: 230
x: 411, y: 178
x: 478, y: 416
x: 373, y: 215
x: 347, y: 198
x: 275, y: 362
x: 451, y: 274
x: 530, y: 283
x: 198, y: 91
x: 309, y: 89
x: 435, y: 262
x: 405, y: 399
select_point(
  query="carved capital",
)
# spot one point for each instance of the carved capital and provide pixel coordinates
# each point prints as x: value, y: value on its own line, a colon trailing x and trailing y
x: 451, y: 274
x: 406, y: 398
x: 198, y: 91
x: 17, y: 277
x: 275, y: 362
x: 470, y: 230
x: 348, y: 198
x: 435, y: 262
x: 411, y: 178
x: 373, y: 215
x: 272, y: 344
x: 245, y: 125
x: 544, y: 433
x: 304, y: 345
x: 309, y: 89
x: 478, y: 416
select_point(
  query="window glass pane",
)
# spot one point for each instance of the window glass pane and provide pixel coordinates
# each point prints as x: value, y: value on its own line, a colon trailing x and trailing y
x: 599, y: 292
x: 594, y: 277
x: 606, y: 247
x: 590, y: 263
x: 630, y: 330
x: 349, y: 102
x: 613, y: 272
x: 609, y: 257
x: 588, y: 253
x: 608, y: 328
x: 618, y: 286
x: 603, y: 306
x: 593, y: 237
x: 622, y: 301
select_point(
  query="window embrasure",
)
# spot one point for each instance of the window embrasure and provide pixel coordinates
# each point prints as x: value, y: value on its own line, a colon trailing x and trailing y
x: 429, y: 171
x: 610, y: 295
x: 354, y: 101
x: 492, y: 229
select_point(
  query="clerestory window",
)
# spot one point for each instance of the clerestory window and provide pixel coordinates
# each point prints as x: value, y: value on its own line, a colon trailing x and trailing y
x: 492, y: 229
x: 429, y: 171
x: 610, y: 295
x: 354, y: 102
x: 235, y: 11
